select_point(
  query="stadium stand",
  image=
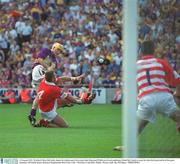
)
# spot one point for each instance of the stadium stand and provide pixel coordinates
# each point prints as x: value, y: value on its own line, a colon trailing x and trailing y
x: 87, y: 29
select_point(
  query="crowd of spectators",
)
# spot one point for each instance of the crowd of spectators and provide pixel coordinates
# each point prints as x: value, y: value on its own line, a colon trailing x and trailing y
x: 87, y: 29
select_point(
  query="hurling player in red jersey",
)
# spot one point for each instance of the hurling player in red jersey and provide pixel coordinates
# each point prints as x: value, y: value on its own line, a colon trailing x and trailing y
x: 154, y: 78
x: 48, y: 95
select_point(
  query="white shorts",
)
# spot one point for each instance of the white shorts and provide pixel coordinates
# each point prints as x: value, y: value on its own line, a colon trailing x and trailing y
x: 37, y: 74
x: 157, y: 102
x: 51, y: 114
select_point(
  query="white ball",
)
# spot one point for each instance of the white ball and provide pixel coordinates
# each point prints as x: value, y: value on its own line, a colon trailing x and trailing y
x: 100, y: 60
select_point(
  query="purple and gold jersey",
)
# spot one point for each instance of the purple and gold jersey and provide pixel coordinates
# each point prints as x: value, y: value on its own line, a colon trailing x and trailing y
x: 46, y: 54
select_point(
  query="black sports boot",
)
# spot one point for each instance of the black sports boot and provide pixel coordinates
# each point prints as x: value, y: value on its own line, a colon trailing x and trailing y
x: 32, y: 120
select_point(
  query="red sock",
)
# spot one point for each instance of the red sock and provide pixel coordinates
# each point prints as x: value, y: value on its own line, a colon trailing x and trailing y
x: 43, y: 123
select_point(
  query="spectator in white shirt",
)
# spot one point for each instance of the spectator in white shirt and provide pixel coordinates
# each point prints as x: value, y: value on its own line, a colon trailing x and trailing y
x: 26, y: 33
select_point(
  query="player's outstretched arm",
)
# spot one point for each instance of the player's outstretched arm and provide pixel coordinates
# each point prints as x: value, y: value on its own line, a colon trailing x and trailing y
x: 63, y: 79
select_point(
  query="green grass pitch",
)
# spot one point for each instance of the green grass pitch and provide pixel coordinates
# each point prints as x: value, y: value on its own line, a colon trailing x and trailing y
x: 94, y: 131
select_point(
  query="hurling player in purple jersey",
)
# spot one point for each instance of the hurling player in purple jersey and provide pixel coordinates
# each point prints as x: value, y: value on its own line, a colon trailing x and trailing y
x: 46, y: 60
x: 47, y: 54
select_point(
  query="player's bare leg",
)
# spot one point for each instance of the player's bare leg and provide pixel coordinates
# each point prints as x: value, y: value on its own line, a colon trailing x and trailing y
x: 141, y: 125
x: 175, y: 116
x: 60, y: 122
x: 57, y: 122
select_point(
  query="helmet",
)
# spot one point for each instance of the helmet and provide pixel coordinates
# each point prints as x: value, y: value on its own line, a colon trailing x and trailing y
x: 57, y: 46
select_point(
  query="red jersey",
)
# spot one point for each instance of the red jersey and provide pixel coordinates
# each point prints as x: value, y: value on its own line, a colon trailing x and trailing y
x: 47, y: 95
x: 155, y: 75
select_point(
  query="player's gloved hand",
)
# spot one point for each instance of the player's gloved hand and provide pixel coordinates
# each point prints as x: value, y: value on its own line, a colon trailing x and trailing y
x: 89, y: 98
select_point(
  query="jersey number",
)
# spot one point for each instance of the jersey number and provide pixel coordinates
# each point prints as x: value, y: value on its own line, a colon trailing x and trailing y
x: 41, y: 72
x: 40, y: 94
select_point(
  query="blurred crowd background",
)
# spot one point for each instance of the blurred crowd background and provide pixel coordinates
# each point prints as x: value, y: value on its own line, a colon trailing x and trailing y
x: 87, y: 29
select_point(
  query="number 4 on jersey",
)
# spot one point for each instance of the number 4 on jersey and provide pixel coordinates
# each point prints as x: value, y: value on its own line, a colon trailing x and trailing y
x: 40, y: 93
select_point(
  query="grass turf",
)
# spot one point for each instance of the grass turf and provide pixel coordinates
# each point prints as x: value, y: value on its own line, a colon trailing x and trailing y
x: 160, y: 140
x: 94, y: 131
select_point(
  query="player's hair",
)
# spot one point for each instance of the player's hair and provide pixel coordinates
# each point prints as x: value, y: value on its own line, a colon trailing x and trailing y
x: 147, y: 47
x: 49, y: 76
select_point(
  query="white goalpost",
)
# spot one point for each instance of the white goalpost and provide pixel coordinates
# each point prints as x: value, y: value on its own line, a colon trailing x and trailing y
x: 130, y: 21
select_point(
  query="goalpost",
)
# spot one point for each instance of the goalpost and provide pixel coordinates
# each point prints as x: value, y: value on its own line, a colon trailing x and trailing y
x: 130, y: 21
